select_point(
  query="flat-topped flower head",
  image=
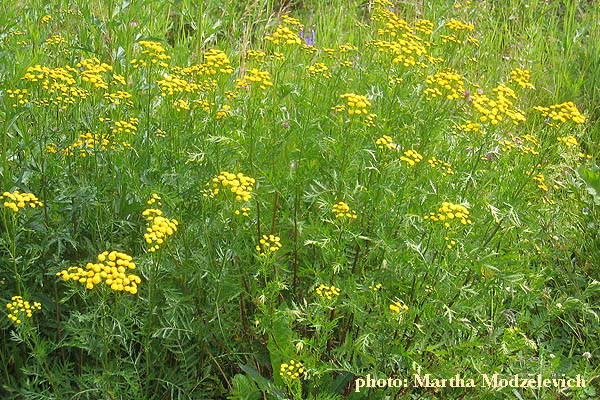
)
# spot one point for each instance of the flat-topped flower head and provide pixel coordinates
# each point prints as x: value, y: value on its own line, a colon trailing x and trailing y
x: 268, y: 244
x: 342, y: 210
x: 159, y: 227
x: 450, y: 212
x: 448, y: 84
x: 446, y: 167
x: 411, y: 157
x: 376, y: 288
x: 521, y: 77
x: 292, y: 370
x: 19, y: 309
x: 329, y: 292
x: 355, y: 103
x: 562, y: 112
x: 17, y: 200
x: 113, y: 267
x: 239, y: 184
x: 255, y: 77
x: 398, y: 307
x: 386, y: 142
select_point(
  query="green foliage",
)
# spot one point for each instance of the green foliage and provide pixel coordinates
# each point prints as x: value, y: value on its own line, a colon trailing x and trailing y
x: 382, y: 190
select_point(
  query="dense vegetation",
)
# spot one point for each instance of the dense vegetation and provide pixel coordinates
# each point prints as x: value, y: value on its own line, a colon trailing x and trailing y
x: 277, y: 199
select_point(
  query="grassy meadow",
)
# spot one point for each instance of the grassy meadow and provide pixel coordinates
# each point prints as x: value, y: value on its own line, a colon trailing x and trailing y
x: 282, y: 199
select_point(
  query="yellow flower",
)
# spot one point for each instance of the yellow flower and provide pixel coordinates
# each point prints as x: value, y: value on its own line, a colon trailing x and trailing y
x: 292, y: 370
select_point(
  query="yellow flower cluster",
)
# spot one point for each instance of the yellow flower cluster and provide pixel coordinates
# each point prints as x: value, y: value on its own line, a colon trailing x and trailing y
x: 540, y: 179
x: 394, y: 80
x: 469, y: 126
x: 411, y: 157
x: 16, y: 200
x: 376, y: 288
x: 240, y: 185
x: 327, y: 291
x: 225, y: 111
x: 475, y: 41
x: 562, y: 112
x: 261, y: 78
x: 119, y: 95
x: 347, y: 47
x: 215, y: 61
x: 450, y: 242
x: 276, y: 56
x: 19, y: 307
x: 243, y: 211
x: 424, y: 25
x: 159, y: 227
x: 341, y: 210
x: 528, y: 144
x: 398, y: 306
x: 450, y: 38
x: 370, y: 120
x: 568, y: 140
x: 328, y: 51
x: 450, y: 212
x: 284, y: 35
x: 492, y: 109
x: 459, y: 25
x: 428, y: 289
x: 156, y: 52
x: 292, y: 21
x: 386, y: 142
x: 448, y: 84
x: 292, y: 370
x: 405, y: 50
x: 112, y: 267
x: 89, y: 144
x: 466, y: 5
x: 319, y: 69
x: 46, y: 18
x: 58, y: 82
x: 257, y: 55
x: 522, y: 77
x: 55, y: 40
x: 356, y: 103
x: 155, y: 199
x: 92, y: 72
x: 271, y: 243
x: 123, y: 126
x: 445, y: 166
x: 20, y: 96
